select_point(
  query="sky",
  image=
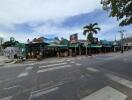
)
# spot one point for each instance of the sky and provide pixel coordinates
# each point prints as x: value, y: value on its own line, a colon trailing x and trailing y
x: 27, y: 19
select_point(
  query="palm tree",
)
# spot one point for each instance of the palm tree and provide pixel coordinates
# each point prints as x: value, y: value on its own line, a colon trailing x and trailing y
x: 89, y: 30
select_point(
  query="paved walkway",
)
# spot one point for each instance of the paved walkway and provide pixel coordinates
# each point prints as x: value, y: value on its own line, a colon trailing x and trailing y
x: 2, y: 59
x: 32, y: 62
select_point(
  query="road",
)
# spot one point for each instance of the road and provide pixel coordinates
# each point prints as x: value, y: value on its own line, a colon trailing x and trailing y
x: 102, y: 77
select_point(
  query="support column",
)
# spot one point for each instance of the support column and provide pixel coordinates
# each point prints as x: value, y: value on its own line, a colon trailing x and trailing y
x: 75, y: 50
x: 79, y: 50
x: 86, y: 51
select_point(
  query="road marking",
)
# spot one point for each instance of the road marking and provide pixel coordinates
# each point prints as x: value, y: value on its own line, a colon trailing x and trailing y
x: 54, y: 61
x: 78, y: 64
x: 31, y: 64
x: 7, y: 98
x: 72, y: 62
x: 79, y: 58
x: 51, y: 65
x: 22, y: 74
x: 42, y: 92
x: 54, y: 68
x: 8, y: 88
x: 107, y: 93
x: 74, y: 71
x: 93, y: 69
x: 28, y: 68
x: 120, y: 80
x: 1, y: 81
x: 68, y: 60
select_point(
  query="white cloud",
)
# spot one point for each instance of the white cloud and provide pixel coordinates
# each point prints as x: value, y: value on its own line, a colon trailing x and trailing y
x: 47, y: 29
x: 34, y: 11
x: 21, y: 37
x: 20, y: 11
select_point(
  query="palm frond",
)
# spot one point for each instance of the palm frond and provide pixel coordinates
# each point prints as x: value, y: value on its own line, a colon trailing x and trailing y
x: 91, y: 28
x: 97, y: 28
x: 87, y: 27
x: 95, y: 24
x: 84, y: 32
x: 95, y: 31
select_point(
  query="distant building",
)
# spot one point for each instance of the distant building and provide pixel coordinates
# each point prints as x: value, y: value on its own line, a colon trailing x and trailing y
x: 1, y: 42
x: 127, y: 43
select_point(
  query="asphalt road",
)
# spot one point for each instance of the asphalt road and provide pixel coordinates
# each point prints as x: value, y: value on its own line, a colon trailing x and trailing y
x: 102, y: 77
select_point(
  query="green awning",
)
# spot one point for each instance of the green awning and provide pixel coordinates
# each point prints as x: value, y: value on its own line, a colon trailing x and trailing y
x: 57, y: 46
x: 73, y: 45
x: 93, y: 46
x: 107, y: 46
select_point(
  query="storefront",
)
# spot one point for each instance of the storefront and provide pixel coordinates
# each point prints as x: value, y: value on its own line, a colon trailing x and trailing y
x: 74, y: 49
x: 35, y: 50
x: 92, y: 48
x: 54, y: 50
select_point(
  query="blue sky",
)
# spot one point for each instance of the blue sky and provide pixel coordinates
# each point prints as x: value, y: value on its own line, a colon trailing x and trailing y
x: 25, y: 19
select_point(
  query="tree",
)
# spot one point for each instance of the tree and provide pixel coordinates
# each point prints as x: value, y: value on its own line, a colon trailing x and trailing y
x: 1, y: 40
x: 12, y: 42
x: 89, y: 30
x: 121, y: 9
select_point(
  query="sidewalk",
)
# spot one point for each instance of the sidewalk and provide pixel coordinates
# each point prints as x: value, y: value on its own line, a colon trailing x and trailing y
x: 52, y: 59
x: 4, y: 60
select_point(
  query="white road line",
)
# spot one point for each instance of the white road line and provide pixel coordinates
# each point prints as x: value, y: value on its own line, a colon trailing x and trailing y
x: 107, y: 93
x: 1, y: 81
x: 72, y: 62
x: 42, y: 92
x: 54, y: 68
x: 93, y: 69
x: 31, y: 64
x: 120, y: 80
x: 56, y: 61
x: 78, y: 64
x: 7, y: 98
x: 51, y: 65
x: 70, y: 59
x: 79, y: 58
x: 8, y: 88
x: 28, y: 68
x: 22, y: 74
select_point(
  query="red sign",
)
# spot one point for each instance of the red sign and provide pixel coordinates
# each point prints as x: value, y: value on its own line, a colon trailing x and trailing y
x: 73, y: 38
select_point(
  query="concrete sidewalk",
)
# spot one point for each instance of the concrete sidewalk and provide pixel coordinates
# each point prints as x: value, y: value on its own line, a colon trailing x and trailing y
x: 4, y: 60
x: 33, y: 61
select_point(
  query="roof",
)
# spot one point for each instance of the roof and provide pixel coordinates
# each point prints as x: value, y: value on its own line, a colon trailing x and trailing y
x: 129, y: 39
x: 73, y: 45
x: 105, y: 42
x: 93, y: 46
x: 55, y: 45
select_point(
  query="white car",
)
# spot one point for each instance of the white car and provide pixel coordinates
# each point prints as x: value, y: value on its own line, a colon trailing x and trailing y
x: 13, y: 52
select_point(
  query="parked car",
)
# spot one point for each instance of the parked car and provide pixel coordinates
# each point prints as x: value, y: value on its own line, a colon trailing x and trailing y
x: 13, y: 52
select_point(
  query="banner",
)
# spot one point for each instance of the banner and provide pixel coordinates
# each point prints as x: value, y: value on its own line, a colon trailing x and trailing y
x: 74, y: 38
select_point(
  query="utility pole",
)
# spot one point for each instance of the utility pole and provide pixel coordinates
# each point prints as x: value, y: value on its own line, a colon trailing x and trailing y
x: 122, y: 43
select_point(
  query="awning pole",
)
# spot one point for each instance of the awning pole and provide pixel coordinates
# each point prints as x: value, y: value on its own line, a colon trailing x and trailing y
x: 86, y: 51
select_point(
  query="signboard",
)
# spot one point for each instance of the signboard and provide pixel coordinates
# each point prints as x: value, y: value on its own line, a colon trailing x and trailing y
x: 74, y: 38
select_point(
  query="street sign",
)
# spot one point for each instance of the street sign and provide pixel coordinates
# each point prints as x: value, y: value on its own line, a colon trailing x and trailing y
x: 74, y: 38
x: 87, y: 43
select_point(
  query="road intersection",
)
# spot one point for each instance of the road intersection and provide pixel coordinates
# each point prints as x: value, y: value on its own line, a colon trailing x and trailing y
x: 81, y: 78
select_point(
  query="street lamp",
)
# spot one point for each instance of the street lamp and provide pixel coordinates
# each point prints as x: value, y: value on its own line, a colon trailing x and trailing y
x: 122, y: 37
